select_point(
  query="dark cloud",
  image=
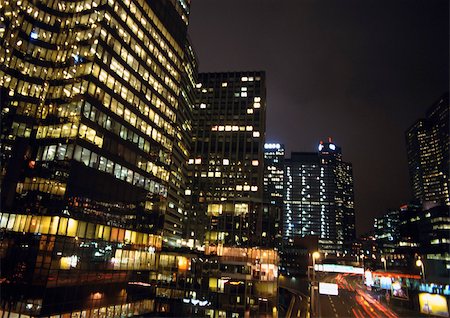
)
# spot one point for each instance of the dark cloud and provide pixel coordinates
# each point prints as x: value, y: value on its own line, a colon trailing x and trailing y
x: 360, y: 71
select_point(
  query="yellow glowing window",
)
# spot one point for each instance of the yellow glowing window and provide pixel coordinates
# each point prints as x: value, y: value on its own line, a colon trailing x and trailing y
x: 62, y: 228
x: 214, y: 209
x: 54, y: 225
x: 241, y: 208
x: 72, y: 227
x: 45, y: 224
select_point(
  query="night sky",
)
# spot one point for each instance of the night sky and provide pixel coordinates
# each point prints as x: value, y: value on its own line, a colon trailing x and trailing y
x: 361, y: 71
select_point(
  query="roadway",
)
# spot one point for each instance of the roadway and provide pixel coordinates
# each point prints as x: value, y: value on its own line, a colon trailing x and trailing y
x: 352, y: 301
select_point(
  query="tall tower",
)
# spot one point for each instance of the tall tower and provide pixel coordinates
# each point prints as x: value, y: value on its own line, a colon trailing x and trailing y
x: 427, y: 143
x: 319, y: 198
x: 273, y: 173
x: 90, y: 149
x: 226, y: 192
x: 228, y: 141
x: 274, y: 189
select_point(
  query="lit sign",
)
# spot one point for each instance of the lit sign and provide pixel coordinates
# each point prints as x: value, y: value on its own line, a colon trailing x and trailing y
x: 332, y: 147
x: 272, y: 146
x: 399, y: 291
x: 435, y: 289
x: 328, y: 289
x: 385, y: 282
x: 320, y: 147
x: 334, y: 268
x: 368, y: 278
x: 433, y: 304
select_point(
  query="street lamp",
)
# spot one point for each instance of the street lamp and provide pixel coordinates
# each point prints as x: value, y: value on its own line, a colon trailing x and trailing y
x: 419, y: 263
x: 314, y: 256
x: 314, y: 297
x: 384, y: 262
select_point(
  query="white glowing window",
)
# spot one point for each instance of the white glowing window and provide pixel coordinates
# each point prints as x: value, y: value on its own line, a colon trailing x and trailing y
x: 243, y: 94
x: 217, y: 174
x: 249, y: 111
x: 256, y: 134
x: 255, y: 163
x: 226, y: 162
x: 238, y: 188
x: 246, y: 188
x: 244, y: 79
x: 257, y: 105
x: 198, y: 85
x: 257, y: 99
x: 224, y: 84
x: 191, y: 161
x: 221, y: 128
x: 244, y: 89
x: 198, y: 161
x: 227, y: 128
x: 202, y: 106
x: 249, y: 128
x: 34, y: 35
x: 214, y: 128
x: 250, y: 79
x: 254, y: 188
x: 210, y: 174
x: 187, y: 192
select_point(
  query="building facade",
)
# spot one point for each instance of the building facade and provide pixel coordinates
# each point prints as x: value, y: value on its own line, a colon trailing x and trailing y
x: 387, y: 231
x: 228, y: 141
x: 94, y: 133
x: 274, y: 189
x: 226, y: 190
x: 319, y: 198
x: 427, y: 143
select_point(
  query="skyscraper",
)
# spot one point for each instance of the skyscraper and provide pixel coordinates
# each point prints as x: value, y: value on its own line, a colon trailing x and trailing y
x: 226, y: 192
x: 274, y: 173
x: 228, y: 141
x: 427, y: 143
x: 274, y: 189
x: 387, y: 231
x: 319, y: 198
x: 93, y: 134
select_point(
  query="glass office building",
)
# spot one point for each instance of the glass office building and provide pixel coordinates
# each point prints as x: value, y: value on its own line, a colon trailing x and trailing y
x: 427, y: 143
x: 226, y: 192
x: 274, y: 189
x: 94, y: 131
x: 319, y: 198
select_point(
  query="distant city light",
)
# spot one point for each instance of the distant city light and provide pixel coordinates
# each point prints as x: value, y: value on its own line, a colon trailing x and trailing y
x: 272, y: 146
